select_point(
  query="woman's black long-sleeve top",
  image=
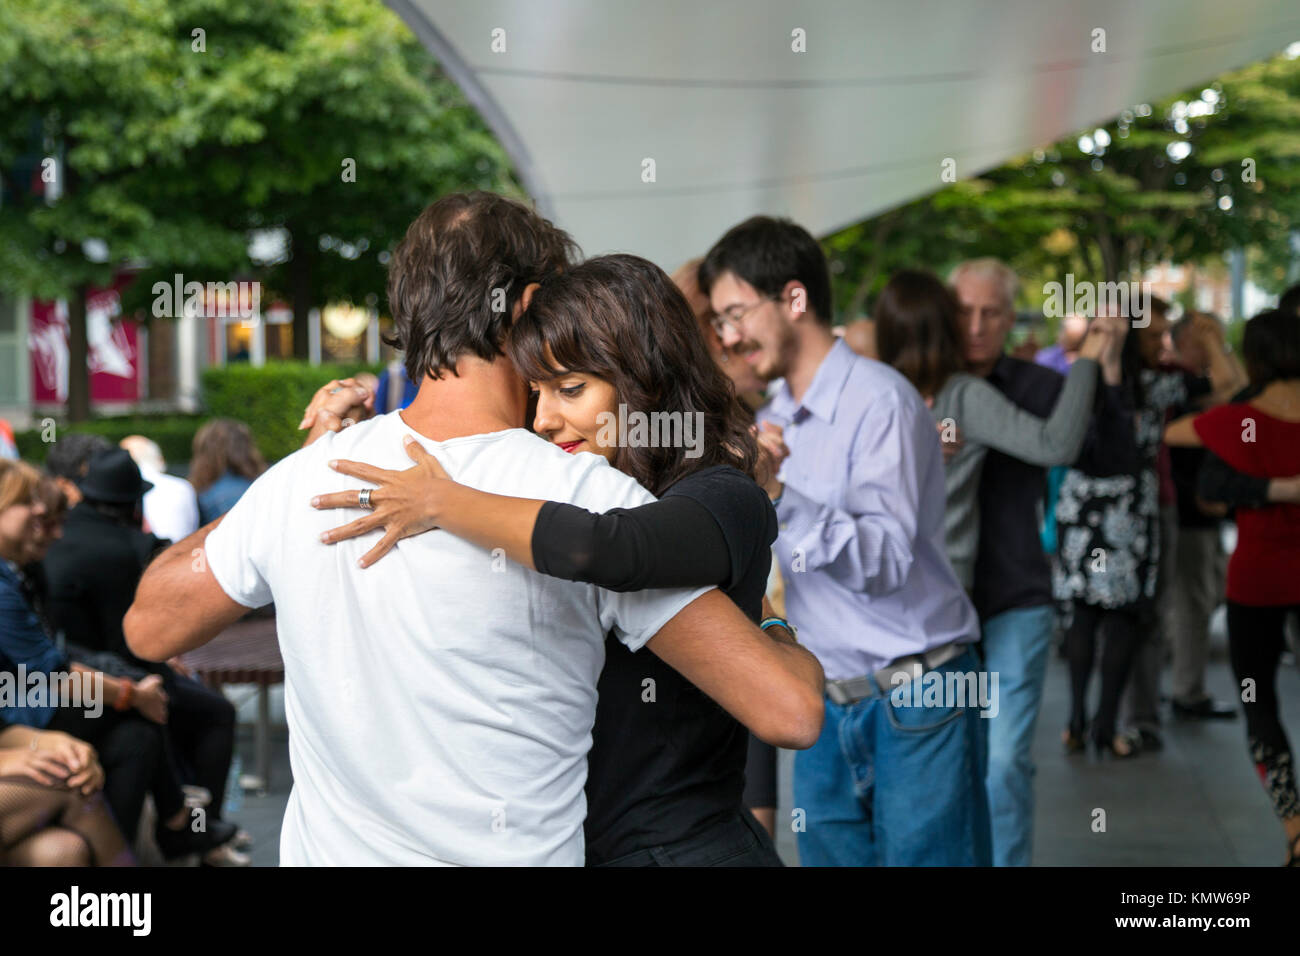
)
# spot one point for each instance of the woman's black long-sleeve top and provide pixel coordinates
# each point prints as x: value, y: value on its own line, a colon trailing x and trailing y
x: 666, y: 761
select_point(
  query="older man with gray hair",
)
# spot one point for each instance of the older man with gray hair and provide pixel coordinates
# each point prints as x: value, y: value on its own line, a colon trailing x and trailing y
x: 1012, y: 589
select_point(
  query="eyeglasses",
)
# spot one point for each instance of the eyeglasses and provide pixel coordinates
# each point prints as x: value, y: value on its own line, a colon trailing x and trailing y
x: 733, y: 316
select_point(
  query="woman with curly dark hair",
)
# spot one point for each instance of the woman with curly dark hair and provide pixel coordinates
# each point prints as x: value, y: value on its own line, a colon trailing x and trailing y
x: 226, y: 461
x: 621, y: 370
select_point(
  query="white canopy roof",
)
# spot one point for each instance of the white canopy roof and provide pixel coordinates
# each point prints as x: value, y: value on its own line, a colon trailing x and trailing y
x: 736, y: 122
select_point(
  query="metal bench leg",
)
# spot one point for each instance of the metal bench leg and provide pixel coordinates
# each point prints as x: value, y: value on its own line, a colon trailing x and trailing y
x: 262, y: 736
x: 261, y: 781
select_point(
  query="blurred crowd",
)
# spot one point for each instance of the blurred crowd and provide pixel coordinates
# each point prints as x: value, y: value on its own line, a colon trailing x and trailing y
x: 75, y: 537
x: 1076, y: 497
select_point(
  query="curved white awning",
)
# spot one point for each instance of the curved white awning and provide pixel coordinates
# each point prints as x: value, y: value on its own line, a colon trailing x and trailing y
x: 736, y: 122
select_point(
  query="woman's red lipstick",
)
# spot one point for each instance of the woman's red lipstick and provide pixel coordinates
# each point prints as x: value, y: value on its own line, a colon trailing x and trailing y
x: 569, y: 446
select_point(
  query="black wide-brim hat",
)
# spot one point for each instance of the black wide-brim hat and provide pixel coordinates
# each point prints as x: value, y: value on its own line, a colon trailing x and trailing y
x: 114, y: 477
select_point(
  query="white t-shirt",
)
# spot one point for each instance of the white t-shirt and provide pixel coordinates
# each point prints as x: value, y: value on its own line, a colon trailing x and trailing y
x: 440, y: 702
x: 171, y: 507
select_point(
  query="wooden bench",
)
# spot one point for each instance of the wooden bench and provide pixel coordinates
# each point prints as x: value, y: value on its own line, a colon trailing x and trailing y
x: 247, y: 652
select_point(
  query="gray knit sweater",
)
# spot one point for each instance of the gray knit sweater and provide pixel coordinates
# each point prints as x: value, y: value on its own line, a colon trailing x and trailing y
x: 988, y: 419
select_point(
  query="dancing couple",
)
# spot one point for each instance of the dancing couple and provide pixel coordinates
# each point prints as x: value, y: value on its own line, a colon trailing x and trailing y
x: 466, y: 670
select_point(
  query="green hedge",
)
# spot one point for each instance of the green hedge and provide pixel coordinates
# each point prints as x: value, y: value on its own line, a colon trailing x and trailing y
x: 270, y: 399
x: 173, y: 433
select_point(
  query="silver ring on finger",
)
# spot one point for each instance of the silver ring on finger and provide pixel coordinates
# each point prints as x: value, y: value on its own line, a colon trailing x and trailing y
x: 363, y: 500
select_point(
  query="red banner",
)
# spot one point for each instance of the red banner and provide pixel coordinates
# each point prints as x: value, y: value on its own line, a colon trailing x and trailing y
x: 114, y: 349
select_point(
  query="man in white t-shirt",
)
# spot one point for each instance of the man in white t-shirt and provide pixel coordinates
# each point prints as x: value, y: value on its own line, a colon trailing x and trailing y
x: 170, y: 507
x: 440, y: 704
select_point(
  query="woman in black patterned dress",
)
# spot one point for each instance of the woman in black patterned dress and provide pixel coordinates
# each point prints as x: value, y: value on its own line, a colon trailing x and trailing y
x: 1108, y: 537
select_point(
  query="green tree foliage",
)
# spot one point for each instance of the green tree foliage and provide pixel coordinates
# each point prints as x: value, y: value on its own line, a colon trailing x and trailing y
x: 181, y: 128
x: 1213, y: 168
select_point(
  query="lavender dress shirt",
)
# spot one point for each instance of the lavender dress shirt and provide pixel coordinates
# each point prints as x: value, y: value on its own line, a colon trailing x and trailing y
x: 861, y: 540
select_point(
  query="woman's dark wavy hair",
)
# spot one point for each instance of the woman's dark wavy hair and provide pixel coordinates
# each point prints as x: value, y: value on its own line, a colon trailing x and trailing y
x: 620, y: 318
x: 1270, y: 347
x: 917, y: 329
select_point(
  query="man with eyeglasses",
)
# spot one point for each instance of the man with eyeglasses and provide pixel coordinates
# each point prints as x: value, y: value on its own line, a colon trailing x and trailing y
x: 860, y: 500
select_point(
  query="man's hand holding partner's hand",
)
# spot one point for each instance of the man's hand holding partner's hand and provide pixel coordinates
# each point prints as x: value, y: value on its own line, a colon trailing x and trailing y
x: 772, y: 452
x: 349, y: 400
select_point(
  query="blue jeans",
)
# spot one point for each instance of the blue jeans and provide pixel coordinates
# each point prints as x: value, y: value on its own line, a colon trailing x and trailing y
x: 1016, y: 646
x: 893, y: 785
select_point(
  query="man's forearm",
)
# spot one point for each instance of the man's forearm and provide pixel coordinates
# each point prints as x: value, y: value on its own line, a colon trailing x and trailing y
x: 802, y: 660
x: 770, y: 685
x: 799, y: 660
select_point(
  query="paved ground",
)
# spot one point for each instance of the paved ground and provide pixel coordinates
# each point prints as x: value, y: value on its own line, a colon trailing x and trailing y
x: 1196, y: 803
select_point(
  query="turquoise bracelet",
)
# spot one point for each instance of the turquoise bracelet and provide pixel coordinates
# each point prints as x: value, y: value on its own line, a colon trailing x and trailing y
x: 775, y: 621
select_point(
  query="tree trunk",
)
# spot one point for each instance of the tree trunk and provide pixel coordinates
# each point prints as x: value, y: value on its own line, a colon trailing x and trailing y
x: 78, y: 355
x: 300, y: 270
x: 1109, y: 254
x: 1094, y: 263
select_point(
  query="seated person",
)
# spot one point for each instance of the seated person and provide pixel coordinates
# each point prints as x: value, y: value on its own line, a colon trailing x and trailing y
x: 225, y: 462
x: 52, y: 809
x: 96, y: 568
x: 131, y: 745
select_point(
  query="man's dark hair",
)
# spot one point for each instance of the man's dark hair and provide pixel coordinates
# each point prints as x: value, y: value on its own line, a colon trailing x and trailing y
x: 71, y: 454
x: 767, y: 253
x: 1290, y: 301
x: 458, y: 273
x: 1270, y: 347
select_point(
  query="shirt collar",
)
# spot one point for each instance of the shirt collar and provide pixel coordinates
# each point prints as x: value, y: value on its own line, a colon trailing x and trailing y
x: 823, y: 394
